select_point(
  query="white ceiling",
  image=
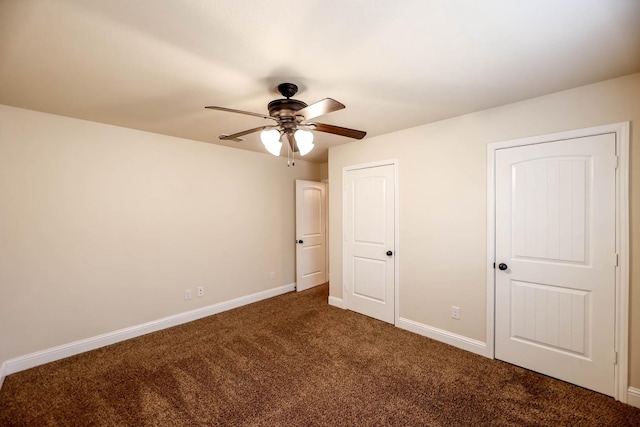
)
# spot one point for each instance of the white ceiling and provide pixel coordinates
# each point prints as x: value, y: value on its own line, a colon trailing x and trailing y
x: 154, y: 64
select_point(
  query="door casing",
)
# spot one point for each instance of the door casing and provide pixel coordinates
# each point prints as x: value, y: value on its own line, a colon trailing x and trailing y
x: 621, y: 131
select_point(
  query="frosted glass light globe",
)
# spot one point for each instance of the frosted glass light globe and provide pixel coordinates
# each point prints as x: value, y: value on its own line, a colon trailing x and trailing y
x: 271, y: 140
x: 304, y: 141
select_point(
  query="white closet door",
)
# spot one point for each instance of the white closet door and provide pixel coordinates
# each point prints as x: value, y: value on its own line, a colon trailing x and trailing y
x: 555, y: 256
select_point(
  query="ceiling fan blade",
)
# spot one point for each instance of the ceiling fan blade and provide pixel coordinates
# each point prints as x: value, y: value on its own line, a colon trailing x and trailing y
x: 244, y: 132
x: 337, y: 130
x: 231, y: 110
x: 320, y: 108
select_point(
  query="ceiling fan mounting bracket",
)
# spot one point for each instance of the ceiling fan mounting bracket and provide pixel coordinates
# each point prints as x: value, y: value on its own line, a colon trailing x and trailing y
x: 287, y: 89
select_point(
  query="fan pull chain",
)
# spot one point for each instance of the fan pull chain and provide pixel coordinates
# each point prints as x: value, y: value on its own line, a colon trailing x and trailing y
x: 291, y: 157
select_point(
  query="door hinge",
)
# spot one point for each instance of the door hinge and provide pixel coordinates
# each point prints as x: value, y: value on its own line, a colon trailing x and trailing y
x: 615, y: 357
x: 615, y: 260
x: 615, y: 162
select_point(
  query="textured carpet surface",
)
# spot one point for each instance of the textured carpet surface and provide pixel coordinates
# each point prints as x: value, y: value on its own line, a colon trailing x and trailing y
x: 295, y: 361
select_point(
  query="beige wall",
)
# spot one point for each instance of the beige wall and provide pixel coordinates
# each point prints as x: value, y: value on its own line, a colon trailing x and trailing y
x: 324, y: 171
x: 103, y: 228
x: 442, y: 192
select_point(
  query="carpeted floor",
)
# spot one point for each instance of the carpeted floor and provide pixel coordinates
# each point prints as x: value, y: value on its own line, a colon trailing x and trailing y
x: 295, y: 361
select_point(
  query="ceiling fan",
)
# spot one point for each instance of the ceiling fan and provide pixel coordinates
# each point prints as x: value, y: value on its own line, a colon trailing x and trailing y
x: 292, y: 119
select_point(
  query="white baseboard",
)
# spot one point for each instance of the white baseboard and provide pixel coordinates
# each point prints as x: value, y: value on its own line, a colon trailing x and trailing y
x: 21, y: 363
x: 633, y: 397
x: 450, y: 338
x: 336, y: 302
x: 3, y: 373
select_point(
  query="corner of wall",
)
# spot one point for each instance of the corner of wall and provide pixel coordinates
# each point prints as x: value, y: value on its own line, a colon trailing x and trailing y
x: 3, y: 373
x: 336, y: 302
x: 324, y: 171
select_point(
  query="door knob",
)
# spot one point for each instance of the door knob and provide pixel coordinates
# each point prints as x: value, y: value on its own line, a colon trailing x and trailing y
x: 300, y: 241
x: 503, y: 266
x: 389, y: 253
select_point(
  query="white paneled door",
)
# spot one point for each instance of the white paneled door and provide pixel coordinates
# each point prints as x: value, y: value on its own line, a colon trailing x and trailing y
x: 556, y: 259
x: 369, y: 237
x: 311, y: 224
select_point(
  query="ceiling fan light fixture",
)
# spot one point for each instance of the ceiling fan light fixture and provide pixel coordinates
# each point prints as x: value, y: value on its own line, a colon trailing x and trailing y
x: 304, y: 141
x: 271, y: 140
x: 289, y: 114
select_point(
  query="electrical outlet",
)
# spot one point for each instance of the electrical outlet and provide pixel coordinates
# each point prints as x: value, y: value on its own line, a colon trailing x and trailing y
x: 455, y: 312
x: 200, y: 291
x: 272, y: 275
x: 187, y: 294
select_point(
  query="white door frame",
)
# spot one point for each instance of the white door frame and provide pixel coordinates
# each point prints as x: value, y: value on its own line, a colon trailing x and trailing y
x: 396, y: 232
x: 621, y: 338
x: 326, y: 229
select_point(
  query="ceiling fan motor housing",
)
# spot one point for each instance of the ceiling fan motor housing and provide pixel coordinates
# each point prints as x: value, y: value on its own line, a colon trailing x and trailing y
x: 285, y: 107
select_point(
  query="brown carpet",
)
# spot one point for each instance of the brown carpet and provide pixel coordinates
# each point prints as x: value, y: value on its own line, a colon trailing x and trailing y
x: 295, y: 361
